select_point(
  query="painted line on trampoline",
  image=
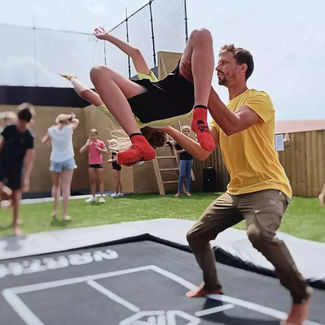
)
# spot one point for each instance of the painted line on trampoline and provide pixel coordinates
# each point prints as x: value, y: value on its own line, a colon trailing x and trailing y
x: 214, y: 310
x: 11, y: 294
x: 113, y: 296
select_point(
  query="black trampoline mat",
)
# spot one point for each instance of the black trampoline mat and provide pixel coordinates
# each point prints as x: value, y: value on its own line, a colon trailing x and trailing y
x: 141, y: 282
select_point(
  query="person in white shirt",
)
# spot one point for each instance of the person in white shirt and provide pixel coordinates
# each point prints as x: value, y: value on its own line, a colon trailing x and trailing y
x: 62, y: 159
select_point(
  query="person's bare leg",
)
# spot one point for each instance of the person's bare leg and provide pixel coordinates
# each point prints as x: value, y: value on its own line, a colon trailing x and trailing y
x: 92, y: 181
x: 118, y: 184
x: 100, y: 177
x: 114, y: 89
x: 196, y: 65
x: 16, y: 196
x: 66, y: 188
x: 83, y: 91
x: 56, y: 192
x: 321, y: 196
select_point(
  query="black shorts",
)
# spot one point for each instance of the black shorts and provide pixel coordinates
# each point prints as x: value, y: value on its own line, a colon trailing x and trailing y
x: 116, y: 166
x: 11, y: 176
x: 170, y: 97
x: 96, y: 165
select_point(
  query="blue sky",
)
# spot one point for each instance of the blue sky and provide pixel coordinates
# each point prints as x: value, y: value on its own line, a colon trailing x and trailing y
x: 286, y: 37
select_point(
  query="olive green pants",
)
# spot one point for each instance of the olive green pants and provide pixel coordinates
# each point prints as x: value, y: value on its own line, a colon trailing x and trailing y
x: 263, y: 212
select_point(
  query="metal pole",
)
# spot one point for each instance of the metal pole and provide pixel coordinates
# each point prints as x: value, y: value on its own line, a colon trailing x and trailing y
x: 152, y: 35
x: 105, y: 61
x: 127, y: 39
x: 35, y: 51
x: 186, y: 19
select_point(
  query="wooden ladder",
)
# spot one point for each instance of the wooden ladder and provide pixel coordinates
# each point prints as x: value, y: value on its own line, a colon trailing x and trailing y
x: 159, y: 171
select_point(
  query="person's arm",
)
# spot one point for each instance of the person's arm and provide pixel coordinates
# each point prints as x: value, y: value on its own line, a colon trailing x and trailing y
x: 74, y: 122
x: 180, y: 151
x: 46, y: 138
x: 85, y: 146
x: 139, y: 62
x: 2, y: 142
x: 28, y: 166
x: 103, y: 149
x: 190, y: 145
x: 231, y: 122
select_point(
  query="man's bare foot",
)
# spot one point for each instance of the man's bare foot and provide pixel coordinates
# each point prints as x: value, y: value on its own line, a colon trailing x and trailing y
x: 17, y: 231
x: 66, y: 218
x: 299, y: 311
x: 177, y: 194
x: 202, y: 292
x: 188, y: 194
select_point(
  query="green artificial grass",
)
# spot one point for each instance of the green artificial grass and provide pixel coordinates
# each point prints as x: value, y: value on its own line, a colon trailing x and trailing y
x: 305, y: 218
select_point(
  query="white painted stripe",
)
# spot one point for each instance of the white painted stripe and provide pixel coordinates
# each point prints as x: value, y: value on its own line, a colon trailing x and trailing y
x: 252, y: 306
x: 60, y: 283
x: 258, y: 308
x: 20, y: 308
x: 173, y: 277
x: 213, y: 310
x: 113, y: 296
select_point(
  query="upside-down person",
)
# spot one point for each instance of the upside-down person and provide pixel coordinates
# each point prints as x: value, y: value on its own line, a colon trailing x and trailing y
x: 144, y: 102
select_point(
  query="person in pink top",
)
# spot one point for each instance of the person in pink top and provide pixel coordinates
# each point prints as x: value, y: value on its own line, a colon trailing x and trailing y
x: 95, y: 148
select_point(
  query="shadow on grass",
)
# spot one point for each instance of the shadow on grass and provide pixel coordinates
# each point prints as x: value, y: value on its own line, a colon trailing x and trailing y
x: 156, y: 196
x: 6, y: 227
x: 59, y: 223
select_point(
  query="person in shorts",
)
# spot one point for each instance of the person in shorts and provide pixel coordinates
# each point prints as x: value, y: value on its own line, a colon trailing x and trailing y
x: 112, y: 144
x: 96, y: 148
x: 62, y: 163
x: 140, y: 103
x: 16, y: 160
x: 155, y: 137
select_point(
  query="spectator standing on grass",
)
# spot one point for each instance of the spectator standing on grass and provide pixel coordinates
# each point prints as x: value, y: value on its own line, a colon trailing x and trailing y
x: 16, y: 160
x: 113, y: 144
x: 185, y: 165
x: 96, y: 148
x: 62, y: 163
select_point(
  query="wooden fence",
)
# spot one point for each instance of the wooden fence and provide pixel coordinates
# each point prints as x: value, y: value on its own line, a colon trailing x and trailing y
x: 303, y: 160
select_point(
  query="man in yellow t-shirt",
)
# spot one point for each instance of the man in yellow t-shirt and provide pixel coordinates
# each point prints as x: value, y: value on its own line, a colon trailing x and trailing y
x: 259, y: 190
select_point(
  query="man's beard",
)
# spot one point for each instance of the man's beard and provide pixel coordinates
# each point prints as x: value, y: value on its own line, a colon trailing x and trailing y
x: 222, y: 81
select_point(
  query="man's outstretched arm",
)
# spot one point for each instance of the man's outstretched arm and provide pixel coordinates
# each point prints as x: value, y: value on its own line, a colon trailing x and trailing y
x: 230, y: 122
x: 189, y: 144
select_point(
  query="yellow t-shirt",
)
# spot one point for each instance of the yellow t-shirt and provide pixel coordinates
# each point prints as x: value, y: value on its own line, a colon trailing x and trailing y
x: 249, y: 155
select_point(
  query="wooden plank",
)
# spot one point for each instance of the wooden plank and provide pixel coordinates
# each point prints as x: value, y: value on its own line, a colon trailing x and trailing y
x: 320, y: 159
x: 158, y: 177
x: 168, y: 169
x: 166, y: 157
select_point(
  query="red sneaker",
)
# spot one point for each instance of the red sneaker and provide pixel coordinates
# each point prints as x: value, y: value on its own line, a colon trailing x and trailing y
x: 200, y: 127
x: 202, y: 292
x: 135, y: 154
